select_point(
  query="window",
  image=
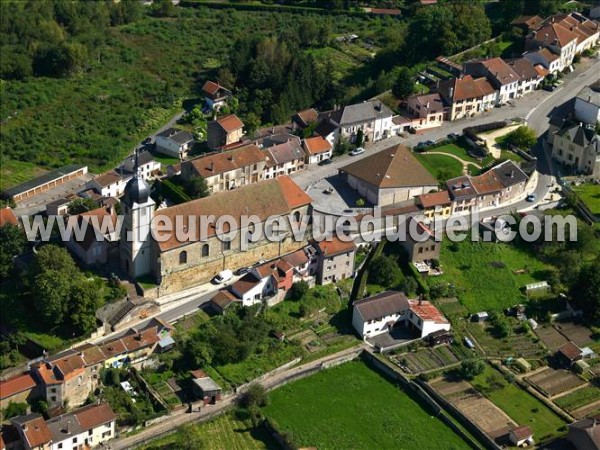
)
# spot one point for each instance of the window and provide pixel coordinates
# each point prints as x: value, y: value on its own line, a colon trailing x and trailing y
x: 183, y: 257
x: 297, y: 216
x: 60, y: 445
x: 420, y: 250
x: 53, y: 398
x: 226, y: 245
x: 90, y: 432
x: 205, y: 250
x: 74, y: 440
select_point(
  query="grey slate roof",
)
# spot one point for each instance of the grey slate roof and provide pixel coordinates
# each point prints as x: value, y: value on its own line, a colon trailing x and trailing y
x: 206, y: 384
x: 178, y: 136
x: 509, y: 174
x: 364, y: 112
x: 381, y: 305
x: 143, y: 158
x: 590, y: 95
x: 284, y: 153
x: 43, y: 179
x: 579, y: 135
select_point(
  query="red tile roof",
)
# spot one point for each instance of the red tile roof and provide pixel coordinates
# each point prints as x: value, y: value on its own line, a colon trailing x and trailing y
x: 141, y: 339
x: 223, y: 299
x: 570, y: 351
x: 458, y: 89
x: 211, y: 88
x: 46, y: 373
x: 108, y: 178
x: 230, y: 123
x: 335, y: 247
x: 308, y: 115
x: 500, y: 70
x: 36, y: 433
x: 219, y: 163
x: 15, y: 385
x: 434, y: 199
x: 316, y: 145
x: 521, y: 433
x: 7, y: 215
x: 554, y: 34
x: 426, y: 311
x: 94, y: 415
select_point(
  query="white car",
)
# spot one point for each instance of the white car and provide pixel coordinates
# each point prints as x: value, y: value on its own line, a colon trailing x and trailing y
x: 222, y: 277
x: 357, y: 151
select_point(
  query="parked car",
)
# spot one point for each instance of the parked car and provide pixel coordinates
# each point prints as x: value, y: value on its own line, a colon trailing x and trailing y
x: 357, y: 151
x: 532, y: 197
x: 242, y: 271
x: 549, y: 88
x: 430, y: 142
x: 223, y: 276
x: 325, y: 162
x: 454, y: 135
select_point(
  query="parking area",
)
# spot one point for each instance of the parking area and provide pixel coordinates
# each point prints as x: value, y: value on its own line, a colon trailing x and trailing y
x: 333, y: 195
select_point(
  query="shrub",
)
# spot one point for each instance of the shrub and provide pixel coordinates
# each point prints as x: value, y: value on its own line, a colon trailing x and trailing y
x: 470, y: 368
x: 255, y: 396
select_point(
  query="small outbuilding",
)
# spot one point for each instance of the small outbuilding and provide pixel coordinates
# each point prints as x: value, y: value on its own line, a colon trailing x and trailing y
x: 480, y: 317
x: 521, y: 436
x: 205, y: 388
x: 523, y: 365
x: 568, y: 354
x: 440, y: 337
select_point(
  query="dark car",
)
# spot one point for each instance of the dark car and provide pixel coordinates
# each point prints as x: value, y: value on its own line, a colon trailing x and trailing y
x: 453, y: 135
x: 325, y: 162
x: 242, y: 271
x: 550, y: 88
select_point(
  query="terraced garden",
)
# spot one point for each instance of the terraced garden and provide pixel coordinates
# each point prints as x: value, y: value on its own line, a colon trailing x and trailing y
x: 578, y: 398
x: 432, y: 358
x: 517, y: 345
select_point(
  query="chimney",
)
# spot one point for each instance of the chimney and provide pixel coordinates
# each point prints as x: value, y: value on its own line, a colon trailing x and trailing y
x: 451, y: 93
x: 427, y: 105
x: 420, y: 299
x: 212, y: 166
x: 512, y: 173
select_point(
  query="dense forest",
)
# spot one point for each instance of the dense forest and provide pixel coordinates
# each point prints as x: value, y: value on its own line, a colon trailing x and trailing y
x: 84, y: 81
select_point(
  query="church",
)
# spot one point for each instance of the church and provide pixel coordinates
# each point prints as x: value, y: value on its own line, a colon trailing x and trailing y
x: 177, y: 264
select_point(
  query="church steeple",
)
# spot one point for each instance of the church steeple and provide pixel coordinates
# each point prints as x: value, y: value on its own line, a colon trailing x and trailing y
x: 136, y: 190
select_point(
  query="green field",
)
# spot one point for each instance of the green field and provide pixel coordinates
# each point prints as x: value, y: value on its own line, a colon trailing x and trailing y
x: 441, y: 167
x: 455, y: 150
x: 352, y: 406
x: 224, y: 433
x: 481, y: 284
x: 578, y: 398
x: 590, y: 195
x: 520, y: 406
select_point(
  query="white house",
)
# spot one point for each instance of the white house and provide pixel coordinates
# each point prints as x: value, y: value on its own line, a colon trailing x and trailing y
x: 148, y: 166
x: 544, y: 58
x: 382, y: 312
x: 284, y: 158
x: 251, y: 288
x: 175, y: 143
x: 500, y: 75
x: 109, y: 184
x: 521, y: 436
x: 317, y: 149
x: 587, y: 104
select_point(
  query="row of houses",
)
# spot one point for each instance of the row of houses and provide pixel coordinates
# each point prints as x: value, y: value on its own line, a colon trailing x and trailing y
x: 81, y: 429
x: 70, y: 376
x: 551, y: 46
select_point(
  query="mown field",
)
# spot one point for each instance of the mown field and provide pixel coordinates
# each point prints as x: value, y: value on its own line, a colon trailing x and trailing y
x: 130, y: 87
x: 224, y: 433
x: 520, y: 406
x: 488, y: 276
x: 352, y: 406
x: 441, y: 167
x: 590, y: 195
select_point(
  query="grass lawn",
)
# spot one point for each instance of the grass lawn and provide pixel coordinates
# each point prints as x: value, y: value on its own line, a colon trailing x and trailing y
x: 455, y: 150
x: 579, y: 398
x: 165, y: 160
x: 441, y: 165
x: 482, y: 285
x: 520, y: 406
x: 223, y: 433
x: 352, y: 406
x: 15, y: 172
x: 590, y: 194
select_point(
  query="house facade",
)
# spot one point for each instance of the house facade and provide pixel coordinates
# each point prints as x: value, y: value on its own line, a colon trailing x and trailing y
x: 225, y: 131
x: 499, y: 74
x: 372, y: 117
x: 147, y: 165
x: 436, y: 204
x: 215, y: 95
x: 587, y: 104
x: 284, y: 158
x: 577, y: 146
x: 228, y: 170
x: 335, y: 260
x: 317, y: 149
x: 546, y: 59
x: 422, y: 248
x: 175, y: 143
x: 109, y: 184
x: 427, y: 111
x: 463, y: 96
x: 96, y: 242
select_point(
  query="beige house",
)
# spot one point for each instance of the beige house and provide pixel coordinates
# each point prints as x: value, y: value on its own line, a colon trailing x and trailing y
x: 224, y: 132
x: 435, y: 204
x: 425, y: 248
x: 578, y: 147
x: 317, y: 149
x: 284, y: 158
x: 228, y: 170
x: 388, y: 177
x: 463, y: 96
x: 427, y: 111
x: 335, y: 260
x: 17, y: 389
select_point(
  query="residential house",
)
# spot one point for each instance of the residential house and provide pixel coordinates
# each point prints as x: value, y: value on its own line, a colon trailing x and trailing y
x: 205, y: 388
x: 500, y: 75
x: 427, y: 111
x: 583, y: 434
x: 17, y: 389
x: 529, y: 75
x: 43, y: 183
x: 390, y: 176
x: 32, y: 432
x: 175, y: 143
x: 303, y: 119
x: 502, y: 184
x: 60, y: 207
x: 521, y: 436
x: 7, y: 216
x: 215, y: 95
x: 383, y: 312
x: 372, y: 117
x: 305, y: 264
x: 420, y: 244
x: 435, y: 204
x: 587, y: 104
x: 136, y: 346
x: 577, y: 146
x: 527, y: 24
x: 285, y: 158
x: 317, y: 149
x: 147, y: 165
x: 222, y: 300
x: 586, y: 30
x: 224, y: 131
x: 228, y: 170
x: 100, y: 227
x: 109, y: 184
x: 490, y: 94
x: 545, y: 58
x: 252, y: 288
x: 328, y: 129
x: 463, y: 96
x: 335, y: 260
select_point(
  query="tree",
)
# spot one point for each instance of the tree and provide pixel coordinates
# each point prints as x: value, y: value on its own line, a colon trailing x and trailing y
x: 404, y: 85
x: 86, y: 300
x: 384, y: 271
x: 522, y: 138
x: 470, y: 368
x: 81, y: 205
x: 15, y: 409
x: 196, y: 187
x: 586, y: 291
x: 255, y: 395
x: 13, y: 242
x: 251, y: 123
x: 163, y: 8
x: 360, y: 137
x: 299, y: 290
